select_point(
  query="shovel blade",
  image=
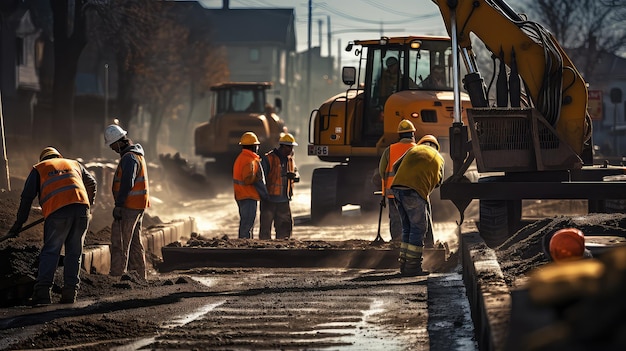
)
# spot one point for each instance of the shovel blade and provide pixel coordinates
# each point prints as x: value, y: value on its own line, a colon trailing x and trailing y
x: 434, y: 259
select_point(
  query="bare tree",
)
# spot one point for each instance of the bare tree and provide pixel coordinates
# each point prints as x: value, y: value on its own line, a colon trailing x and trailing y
x: 161, y: 66
x: 594, y: 27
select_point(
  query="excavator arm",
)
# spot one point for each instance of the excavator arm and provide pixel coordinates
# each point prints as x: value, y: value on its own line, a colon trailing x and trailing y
x: 552, y: 83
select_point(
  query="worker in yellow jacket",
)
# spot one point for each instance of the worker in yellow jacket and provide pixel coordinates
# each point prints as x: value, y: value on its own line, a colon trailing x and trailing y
x: 248, y: 183
x: 417, y: 174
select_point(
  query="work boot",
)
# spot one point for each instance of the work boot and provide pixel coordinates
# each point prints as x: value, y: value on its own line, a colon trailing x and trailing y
x: 68, y: 294
x: 413, y: 268
x: 41, y: 296
x: 402, y: 262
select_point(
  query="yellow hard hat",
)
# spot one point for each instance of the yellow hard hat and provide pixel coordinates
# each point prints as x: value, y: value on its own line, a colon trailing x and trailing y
x: 428, y: 138
x: 287, y: 139
x: 405, y: 126
x: 249, y: 138
x: 47, y: 152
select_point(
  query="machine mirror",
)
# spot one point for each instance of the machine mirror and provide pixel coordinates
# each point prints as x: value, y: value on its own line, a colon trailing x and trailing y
x: 348, y: 75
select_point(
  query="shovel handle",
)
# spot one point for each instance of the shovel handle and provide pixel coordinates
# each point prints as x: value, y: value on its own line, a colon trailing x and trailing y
x: 32, y: 224
x: 28, y: 226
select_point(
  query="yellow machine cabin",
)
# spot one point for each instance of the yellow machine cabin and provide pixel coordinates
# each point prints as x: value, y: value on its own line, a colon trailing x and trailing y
x: 395, y: 80
x: 236, y: 108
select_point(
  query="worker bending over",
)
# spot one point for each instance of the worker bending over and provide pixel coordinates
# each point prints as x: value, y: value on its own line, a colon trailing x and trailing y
x: 417, y: 174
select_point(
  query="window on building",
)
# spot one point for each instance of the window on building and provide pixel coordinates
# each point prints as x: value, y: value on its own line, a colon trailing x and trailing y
x: 255, y: 55
x: 19, y: 51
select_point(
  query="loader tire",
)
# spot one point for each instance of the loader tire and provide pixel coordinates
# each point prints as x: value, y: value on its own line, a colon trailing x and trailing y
x: 324, y: 194
x: 498, y: 219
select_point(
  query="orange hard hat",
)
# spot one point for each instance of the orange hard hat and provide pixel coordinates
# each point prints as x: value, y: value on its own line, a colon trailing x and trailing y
x: 567, y: 244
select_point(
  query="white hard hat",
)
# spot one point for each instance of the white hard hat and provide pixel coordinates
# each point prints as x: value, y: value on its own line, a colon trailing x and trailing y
x: 113, y: 133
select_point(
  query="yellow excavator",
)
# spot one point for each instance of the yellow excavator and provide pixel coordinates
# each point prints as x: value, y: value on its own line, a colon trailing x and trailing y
x: 393, y: 81
x: 535, y: 133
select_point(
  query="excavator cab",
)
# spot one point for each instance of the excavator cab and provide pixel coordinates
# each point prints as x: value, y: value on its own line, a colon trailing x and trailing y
x: 393, y: 81
x: 392, y: 67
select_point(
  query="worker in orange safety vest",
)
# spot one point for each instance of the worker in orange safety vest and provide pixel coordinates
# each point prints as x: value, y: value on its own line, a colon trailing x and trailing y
x: 406, y: 133
x: 66, y: 192
x: 280, y: 175
x: 248, y: 183
x: 131, y: 193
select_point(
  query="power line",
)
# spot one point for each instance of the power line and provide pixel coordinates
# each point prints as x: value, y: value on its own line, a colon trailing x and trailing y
x: 364, y: 20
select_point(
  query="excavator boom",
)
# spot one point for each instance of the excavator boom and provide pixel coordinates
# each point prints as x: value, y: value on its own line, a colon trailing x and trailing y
x: 553, y: 84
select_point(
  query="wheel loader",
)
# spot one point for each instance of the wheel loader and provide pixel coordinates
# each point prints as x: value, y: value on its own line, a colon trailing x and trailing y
x: 351, y: 130
x: 532, y: 138
x: 236, y: 108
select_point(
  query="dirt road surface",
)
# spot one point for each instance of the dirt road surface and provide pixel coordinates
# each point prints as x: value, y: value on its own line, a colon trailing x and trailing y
x: 270, y: 308
x: 255, y: 308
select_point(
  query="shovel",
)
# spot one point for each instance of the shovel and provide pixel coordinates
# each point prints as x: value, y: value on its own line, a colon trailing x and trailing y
x: 28, y: 226
x: 379, y: 240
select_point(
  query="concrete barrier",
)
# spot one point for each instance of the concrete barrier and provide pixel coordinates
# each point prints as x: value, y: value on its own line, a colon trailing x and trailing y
x: 97, y: 259
x: 490, y: 299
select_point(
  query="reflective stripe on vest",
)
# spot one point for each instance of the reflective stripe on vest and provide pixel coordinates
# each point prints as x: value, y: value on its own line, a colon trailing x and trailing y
x: 275, y: 176
x: 245, y: 170
x: 60, y: 184
x: 395, y: 152
x: 138, y: 197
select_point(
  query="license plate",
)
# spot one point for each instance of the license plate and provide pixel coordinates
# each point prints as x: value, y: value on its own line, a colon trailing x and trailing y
x: 316, y: 150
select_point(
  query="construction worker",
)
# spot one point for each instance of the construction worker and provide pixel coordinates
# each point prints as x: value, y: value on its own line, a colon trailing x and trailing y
x: 417, y: 173
x: 391, y: 80
x: 281, y: 173
x: 66, y: 190
x: 248, y: 183
x: 436, y: 80
x: 132, y: 197
x: 406, y: 133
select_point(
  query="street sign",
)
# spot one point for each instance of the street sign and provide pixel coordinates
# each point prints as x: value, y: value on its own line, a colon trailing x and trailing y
x: 594, y: 104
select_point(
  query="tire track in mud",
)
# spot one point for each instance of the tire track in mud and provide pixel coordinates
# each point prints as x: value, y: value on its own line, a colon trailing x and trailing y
x: 373, y: 311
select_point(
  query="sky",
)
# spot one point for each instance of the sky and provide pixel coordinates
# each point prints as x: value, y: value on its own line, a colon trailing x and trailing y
x: 352, y: 19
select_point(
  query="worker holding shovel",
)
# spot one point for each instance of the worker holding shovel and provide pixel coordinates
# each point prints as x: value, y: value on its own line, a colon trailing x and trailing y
x: 417, y: 173
x: 406, y: 135
x: 66, y: 190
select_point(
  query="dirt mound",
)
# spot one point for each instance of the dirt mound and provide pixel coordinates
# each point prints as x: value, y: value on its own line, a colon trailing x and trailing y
x: 525, y: 249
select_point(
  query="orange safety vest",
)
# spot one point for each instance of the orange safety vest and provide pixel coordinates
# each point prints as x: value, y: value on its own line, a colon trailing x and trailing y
x: 396, y: 151
x: 138, y: 198
x: 245, y: 170
x: 275, y: 176
x: 60, y: 184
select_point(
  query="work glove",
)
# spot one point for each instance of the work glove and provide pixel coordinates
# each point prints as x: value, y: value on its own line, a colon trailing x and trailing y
x: 15, y: 230
x: 117, y: 213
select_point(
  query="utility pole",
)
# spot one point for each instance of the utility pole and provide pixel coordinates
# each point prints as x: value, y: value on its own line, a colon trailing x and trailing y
x: 5, y: 182
x: 308, y: 59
